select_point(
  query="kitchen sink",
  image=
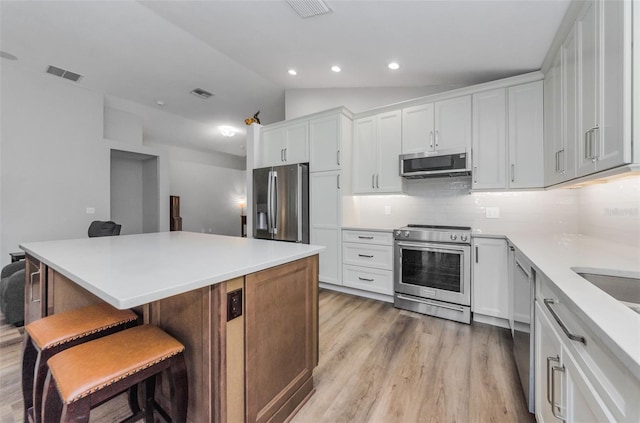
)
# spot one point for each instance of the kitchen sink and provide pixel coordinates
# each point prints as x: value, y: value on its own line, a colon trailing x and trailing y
x: 622, y: 288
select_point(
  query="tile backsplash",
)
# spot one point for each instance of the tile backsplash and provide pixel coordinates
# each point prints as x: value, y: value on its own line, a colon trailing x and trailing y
x: 611, y: 210
x: 448, y: 202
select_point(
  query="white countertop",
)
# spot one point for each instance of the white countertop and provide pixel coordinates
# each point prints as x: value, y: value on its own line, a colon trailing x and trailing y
x: 131, y: 270
x: 556, y: 254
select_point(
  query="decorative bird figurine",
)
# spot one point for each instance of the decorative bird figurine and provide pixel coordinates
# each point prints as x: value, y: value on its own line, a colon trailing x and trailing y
x: 254, y: 119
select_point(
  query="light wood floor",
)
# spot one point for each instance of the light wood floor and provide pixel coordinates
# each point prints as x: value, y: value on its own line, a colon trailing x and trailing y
x: 377, y: 364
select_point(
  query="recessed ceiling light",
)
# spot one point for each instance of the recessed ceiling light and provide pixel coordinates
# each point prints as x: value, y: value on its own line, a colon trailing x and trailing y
x: 160, y: 103
x: 336, y: 68
x: 227, y: 131
x: 292, y: 72
x: 203, y: 94
x: 393, y: 66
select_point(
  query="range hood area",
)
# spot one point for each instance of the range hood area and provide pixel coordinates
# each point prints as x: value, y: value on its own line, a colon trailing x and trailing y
x: 436, y: 164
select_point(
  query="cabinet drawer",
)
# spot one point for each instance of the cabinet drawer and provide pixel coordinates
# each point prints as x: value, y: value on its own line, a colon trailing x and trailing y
x: 367, y: 279
x: 368, y: 237
x: 378, y: 256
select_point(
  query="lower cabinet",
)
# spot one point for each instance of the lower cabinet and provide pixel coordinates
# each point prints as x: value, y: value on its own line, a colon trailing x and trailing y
x: 325, y: 219
x: 367, y: 258
x: 490, y: 284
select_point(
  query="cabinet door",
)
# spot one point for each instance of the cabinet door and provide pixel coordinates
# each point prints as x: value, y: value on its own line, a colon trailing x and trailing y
x: 453, y: 123
x: 583, y: 402
x: 296, y: 148
x: 566, y: 149
x: 364, y: 155
x: 35, y: 293
x: 325, y: 217
x: 417, y: 129
x: 614, y: 146
x: 489, y: 139
x: 588, y: 27
x: 388, y: 177
x: 271, y: 150
x: 553, y: 109
x: 325, y: 143
x: 490, y: 294
x: 526, y: 136
x: 548, y: 350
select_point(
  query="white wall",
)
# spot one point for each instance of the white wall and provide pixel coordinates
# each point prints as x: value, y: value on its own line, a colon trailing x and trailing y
x: 54, y: 164
x: 448, y: 202
x: 301, y: 102
x: 209, y: 192
x: 126, y: 193
x: 612, y: 211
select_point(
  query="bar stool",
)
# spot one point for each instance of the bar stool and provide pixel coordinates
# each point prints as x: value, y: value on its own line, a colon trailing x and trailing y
x: 89, y: 374
x: 50, y: 335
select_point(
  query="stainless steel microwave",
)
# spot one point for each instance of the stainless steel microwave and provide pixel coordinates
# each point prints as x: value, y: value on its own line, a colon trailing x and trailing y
x: 430, y: 164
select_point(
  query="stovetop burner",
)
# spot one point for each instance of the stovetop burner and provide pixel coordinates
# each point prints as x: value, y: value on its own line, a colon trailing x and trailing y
x: 454, y: 228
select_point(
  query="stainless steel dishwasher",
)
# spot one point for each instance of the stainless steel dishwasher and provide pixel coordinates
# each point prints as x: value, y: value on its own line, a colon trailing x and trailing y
x: 522, y: 306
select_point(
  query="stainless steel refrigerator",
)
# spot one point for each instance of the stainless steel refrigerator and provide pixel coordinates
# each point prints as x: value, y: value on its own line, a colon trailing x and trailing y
x: 281, y: 203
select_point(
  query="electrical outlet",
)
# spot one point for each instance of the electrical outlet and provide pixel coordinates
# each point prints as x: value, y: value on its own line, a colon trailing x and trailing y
x: 492, y: 212
x: 387, y: 210
x: 91, y: 210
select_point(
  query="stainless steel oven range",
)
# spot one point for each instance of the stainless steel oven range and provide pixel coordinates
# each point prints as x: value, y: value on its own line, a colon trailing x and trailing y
x: 433, y: 271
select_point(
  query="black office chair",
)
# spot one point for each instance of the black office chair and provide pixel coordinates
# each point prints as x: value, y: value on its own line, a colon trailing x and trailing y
x: 99, y: 228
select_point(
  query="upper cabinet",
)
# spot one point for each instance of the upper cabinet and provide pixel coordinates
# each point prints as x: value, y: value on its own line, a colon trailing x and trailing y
x: 326, y: 141
x: 490, y: 139
x: 525, y: 136
x: 376, y: 148
x: 588, y: 94
x: 437, y: 126
x: 284, y: 144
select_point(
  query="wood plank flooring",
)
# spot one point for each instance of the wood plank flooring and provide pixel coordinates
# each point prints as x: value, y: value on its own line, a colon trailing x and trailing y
x: 377, y: 364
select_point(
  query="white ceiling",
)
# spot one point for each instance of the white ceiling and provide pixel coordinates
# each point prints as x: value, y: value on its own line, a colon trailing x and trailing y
x: 241, y: 51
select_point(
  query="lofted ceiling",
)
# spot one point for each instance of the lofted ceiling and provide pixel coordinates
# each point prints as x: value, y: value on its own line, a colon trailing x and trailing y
x: 241, y: 50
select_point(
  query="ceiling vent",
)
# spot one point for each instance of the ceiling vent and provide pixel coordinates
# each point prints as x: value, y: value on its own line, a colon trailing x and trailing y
x: 203, y: 94
x: 309, y: 8
x: 62, y: 73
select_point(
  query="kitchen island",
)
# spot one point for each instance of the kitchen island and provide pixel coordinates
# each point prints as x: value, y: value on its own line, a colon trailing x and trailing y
x: 254, y: 367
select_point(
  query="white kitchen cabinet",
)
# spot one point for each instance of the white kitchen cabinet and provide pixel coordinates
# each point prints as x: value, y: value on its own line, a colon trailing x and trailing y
x: 525, y: 136
x: 548, y: 352
x: 326, y: 136
x: 490, y: 139
x: 325, y: 216
x: 376, y: 150
x: 437, y: 126
x: 554, y: 141
x: 284, y: 144
x: 368, y: 261
x: 490, y: 284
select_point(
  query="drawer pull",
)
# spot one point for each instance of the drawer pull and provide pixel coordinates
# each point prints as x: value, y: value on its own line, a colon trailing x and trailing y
x: 548, y: 302
x: 365, y: 279
x: 549, y: 360
x: 365, y: 237
x: 365, y: 255
x: 33, y: 300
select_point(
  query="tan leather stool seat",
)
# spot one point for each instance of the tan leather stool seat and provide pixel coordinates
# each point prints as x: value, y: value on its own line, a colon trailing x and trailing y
x: 92, y: 366
x: 65, y: 327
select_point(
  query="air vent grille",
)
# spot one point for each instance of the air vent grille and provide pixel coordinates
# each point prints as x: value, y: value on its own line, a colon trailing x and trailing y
x: 63, y: 73
x: 203, y: 94
x: 309, y: 8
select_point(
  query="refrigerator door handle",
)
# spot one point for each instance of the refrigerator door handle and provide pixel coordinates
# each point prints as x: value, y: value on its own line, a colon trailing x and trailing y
x: 269, y: 201
x: 274, y: 203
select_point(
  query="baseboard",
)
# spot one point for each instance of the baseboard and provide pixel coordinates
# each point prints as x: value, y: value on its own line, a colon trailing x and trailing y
x: 490, y: 320
x: 358, y: 292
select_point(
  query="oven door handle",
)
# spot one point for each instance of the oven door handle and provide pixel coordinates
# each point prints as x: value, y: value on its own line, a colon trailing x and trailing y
x: 427, y: 302
x: 427, y: 246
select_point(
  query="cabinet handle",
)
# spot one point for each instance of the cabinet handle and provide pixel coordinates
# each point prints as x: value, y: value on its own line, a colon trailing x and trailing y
x: 365, y: 237
x: 557, y: 162
x: 548, y: 302
x: 282, y: 154
x: 590, y: 144
x: 549, y: 360
x: 477, y: 254
x: 285, y: 154
x: 475, y: 174
x: 338, y: 157
x: 373, y: 180
x: 365, y: 279
x: 31, y: 286
x: 377, y: 180
x: 338, y: 181
x: 595, y: 140
x: 365, y: 255
x: 555, y: 406
x: 430, y: 139
x: 513, y: 172
x: 437, y: 137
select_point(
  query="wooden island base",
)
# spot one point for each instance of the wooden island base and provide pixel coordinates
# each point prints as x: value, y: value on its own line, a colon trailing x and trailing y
x: 257, y: 367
